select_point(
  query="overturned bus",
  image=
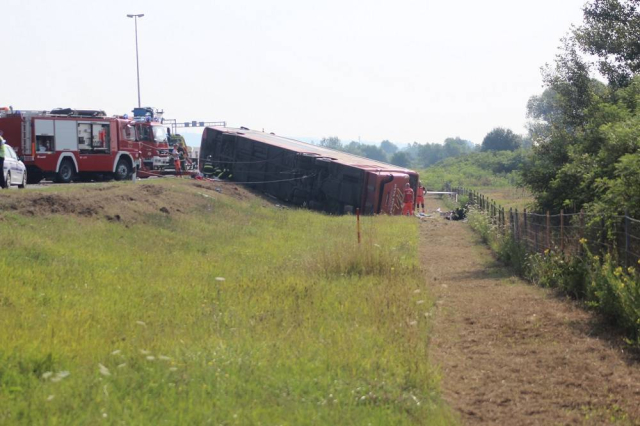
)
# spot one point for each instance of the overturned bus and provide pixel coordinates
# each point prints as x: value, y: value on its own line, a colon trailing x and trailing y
x: 304, y: 174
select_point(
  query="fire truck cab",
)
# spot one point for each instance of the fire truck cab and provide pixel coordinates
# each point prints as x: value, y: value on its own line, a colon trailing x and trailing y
x: 152, y: 135
x: 68, y: 144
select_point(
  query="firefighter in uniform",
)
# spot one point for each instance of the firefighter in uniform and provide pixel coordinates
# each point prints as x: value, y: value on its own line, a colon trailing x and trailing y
x: 407, y: 209
x: 176, y: 161
x: 2, y: 154
x: 420, y: 197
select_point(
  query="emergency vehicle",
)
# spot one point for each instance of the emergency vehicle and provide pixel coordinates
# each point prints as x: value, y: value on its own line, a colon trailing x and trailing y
x: 68, y: 144
x: 154, y: 143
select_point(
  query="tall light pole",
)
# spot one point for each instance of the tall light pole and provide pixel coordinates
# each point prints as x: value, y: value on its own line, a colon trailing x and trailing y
x: 135, y: 18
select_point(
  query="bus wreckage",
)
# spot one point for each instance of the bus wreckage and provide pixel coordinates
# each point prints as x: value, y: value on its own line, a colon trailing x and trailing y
x: 304, y: 174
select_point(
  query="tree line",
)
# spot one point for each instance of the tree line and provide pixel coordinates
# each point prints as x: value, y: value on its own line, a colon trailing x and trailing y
x: 582, y: 149
x: 425, y: 155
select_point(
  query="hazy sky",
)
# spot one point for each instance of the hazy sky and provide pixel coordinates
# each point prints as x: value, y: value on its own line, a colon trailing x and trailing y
x: 400, y: 70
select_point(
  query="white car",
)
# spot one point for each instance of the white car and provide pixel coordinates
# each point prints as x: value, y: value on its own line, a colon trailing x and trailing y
x: 15, y: 172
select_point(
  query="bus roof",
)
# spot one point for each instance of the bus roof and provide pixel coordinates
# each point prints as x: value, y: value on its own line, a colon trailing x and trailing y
x: 316, y: 150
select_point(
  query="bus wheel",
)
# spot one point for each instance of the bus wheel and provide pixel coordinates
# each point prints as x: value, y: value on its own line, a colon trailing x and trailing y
x: 123, y: 170
x: 66, y: 172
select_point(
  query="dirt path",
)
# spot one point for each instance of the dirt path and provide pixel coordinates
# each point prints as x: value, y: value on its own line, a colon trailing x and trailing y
x: 511, y: 353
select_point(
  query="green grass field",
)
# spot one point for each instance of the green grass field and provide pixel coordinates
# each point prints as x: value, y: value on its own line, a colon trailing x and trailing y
x: 508, y: 197
x: 234, y: 313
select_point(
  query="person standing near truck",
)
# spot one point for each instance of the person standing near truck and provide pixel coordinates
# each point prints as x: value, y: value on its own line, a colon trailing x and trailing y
x: 183, y: 158
x: 407, y: 210
x: 2, y: 155
x: 176, y: 161
x: 420, y: 197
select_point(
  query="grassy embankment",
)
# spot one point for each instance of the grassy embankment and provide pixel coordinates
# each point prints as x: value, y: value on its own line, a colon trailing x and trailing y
x: 492, y: 174
x: 235, y: 314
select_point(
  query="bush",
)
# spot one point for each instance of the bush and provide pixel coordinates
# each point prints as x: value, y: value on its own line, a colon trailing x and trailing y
x: 554, y: 269
x: 615, y: 292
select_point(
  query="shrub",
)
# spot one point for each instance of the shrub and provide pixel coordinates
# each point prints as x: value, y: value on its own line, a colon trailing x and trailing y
x: 615, y: 292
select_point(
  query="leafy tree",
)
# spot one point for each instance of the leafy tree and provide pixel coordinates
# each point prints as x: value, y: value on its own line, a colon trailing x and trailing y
x: 454, y: 147
x: 611, y: 32
x: 388, y: 147
x: 332, y: 142
x: 373, y: 152
x: 587, y: 133
x: 401, y: 158
x: 500, y: 139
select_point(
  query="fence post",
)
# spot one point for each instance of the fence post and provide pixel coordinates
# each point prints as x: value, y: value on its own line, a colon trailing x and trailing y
x: 504, y: 220
x: 548, y: 230
x: 517, y: 227
x: 526, y: 230
x: 536, y: 232
x: 511, y: 223
x: 562, y: 230
x: 358, y: 221
x: 602, y: 236
x: 626, y: 238
x: 581, y: 231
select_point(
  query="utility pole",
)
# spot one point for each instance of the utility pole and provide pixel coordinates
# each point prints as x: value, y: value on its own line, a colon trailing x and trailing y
x: 135, y: 18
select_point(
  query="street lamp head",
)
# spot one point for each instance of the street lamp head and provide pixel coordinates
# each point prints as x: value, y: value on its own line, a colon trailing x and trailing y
x: 140, y: 15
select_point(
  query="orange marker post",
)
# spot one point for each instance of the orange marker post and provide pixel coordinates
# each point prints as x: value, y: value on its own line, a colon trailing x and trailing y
x: 358, y: 223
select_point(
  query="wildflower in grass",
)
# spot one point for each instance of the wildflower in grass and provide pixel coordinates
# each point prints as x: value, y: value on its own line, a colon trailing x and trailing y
x: 151, y: 358
x: 583, y: 240
x: 144, y: 352
x: 142, y: 323
x: 164, y: 358
x: 116, y: 352
x: 618, y: 271
x: 413, y: 323
x: 47, y: 374
x: 173, y: 369
x: 220, y: 279
x: 420, y: 302
x: 50, y: 397
x: 416, y: 291
x: 124, y: 364
x: 104, y: 370
x: 546, y: 251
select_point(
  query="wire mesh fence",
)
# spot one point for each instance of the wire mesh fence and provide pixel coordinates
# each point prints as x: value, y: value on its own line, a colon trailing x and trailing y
x: 570, y: 233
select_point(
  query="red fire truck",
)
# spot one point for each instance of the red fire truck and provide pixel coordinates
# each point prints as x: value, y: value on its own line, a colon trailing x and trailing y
x: 65, y: 144
x: 154, y: 144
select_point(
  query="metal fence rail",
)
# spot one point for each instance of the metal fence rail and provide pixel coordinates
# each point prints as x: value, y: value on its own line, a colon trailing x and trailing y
x: 618, y: 236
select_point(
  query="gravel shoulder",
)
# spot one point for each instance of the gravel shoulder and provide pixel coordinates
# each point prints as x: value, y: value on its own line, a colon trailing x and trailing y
x: 513, y: 353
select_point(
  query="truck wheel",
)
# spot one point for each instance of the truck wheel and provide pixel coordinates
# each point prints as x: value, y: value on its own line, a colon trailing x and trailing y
x: 34, y: 177
x: 123, y: 170
x: 66, y: 172
x: 23, y: 185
